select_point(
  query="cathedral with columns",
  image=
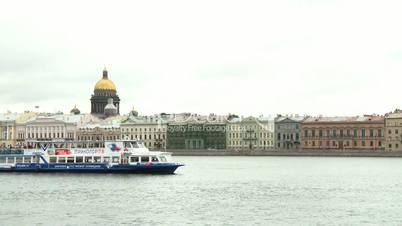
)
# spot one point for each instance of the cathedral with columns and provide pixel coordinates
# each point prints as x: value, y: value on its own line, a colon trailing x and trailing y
x: 104, y: 100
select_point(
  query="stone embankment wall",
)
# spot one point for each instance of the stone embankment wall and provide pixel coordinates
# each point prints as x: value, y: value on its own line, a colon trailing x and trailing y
x: 329, y: 153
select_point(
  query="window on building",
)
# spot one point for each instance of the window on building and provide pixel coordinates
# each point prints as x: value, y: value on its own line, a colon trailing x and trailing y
x: 279, y: 136
x: 320, y: 133
x: 371, y: 132
x: 363, y: 133
x: 363, y: 143
x: 334, y: 133
x: 355, y: 133
x: 396, y: 131
x: 371, y: 143
x: 305, y: 133
x: 379, y: 133
x: 341, y: 132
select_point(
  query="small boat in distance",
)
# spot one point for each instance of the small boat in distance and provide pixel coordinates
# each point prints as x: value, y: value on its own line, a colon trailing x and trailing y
x: 124, y: 156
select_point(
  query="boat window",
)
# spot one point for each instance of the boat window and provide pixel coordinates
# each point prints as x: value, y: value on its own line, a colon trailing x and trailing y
x: 127, y: 145
x: 106, y: 159
x: 2, y: 159
x: 88, y: 159
x: 135, y: 144
x: 70, y: 159
x: 27, y: 159
x: 34, y: 159
x: 18, y: 159
x: 11, y: 160
x: 154, y: 159
x: 145, y: 159
x: 134, y: 159
x: 53, y: 159
x: 163, y: 159
x: 116, y: 159
x: 79, y: 159
x: 141, y: 144
x: 62, y: 159
x: 97, y: 159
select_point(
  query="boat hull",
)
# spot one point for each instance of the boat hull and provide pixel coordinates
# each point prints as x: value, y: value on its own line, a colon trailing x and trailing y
x: 94, y: 168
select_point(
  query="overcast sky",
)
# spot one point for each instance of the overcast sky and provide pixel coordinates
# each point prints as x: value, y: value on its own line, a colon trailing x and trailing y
x: 245, y: 57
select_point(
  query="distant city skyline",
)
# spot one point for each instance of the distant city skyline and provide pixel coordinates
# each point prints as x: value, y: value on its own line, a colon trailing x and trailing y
x: 242, y: 57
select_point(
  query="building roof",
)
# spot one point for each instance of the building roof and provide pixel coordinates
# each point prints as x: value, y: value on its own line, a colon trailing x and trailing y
x: 394, y: 115
x: 292, y: 118
x: 66, y: 118
x: 105, y: 83
x: 144, y: 120
x: 261, y: 119
x: 8, y: 117
x: 90, y: 121
x: 345, y: 119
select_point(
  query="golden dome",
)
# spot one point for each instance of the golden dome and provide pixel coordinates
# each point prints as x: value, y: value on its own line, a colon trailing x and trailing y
x: 105, y: 83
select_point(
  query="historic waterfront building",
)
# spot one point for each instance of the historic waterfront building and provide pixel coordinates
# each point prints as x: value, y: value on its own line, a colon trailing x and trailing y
x: 287, y: 131
x: 150, y: 129
x: 96, y: 131
x: 393, y: 131
x: 7, y: 129
x: 197, y: 132
x: 105, y: 95
x: 55, y: 128
x: 343, y: 133
x: 250, y: 133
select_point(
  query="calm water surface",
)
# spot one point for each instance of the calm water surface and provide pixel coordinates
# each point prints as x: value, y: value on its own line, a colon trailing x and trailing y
x: 214, y: 191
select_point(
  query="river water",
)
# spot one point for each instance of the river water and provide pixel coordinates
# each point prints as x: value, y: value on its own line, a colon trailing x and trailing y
x: 214, y: 191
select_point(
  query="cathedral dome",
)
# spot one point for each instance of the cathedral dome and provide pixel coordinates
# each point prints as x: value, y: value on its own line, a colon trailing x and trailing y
x: 105, y: 83
x: 75, y: 111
